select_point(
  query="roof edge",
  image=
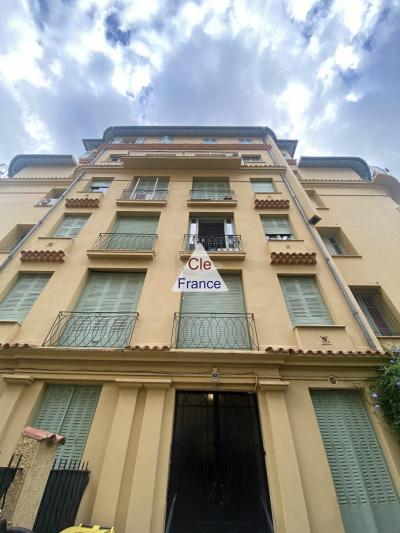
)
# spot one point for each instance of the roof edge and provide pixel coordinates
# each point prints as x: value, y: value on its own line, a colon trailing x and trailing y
x: 21, y: 161
x: 356, y: 163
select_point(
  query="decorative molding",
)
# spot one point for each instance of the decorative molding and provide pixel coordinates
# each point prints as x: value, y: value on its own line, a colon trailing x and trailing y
x: 144, y: 382
x: 42, y: 256
x: 272, y: 385
x: 18, y: 379
x: 270, y: 203
x: 82, y: 202
x: 293, y: 258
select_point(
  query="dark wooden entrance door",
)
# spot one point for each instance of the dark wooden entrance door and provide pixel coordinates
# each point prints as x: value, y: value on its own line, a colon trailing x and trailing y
x: 217, y: 479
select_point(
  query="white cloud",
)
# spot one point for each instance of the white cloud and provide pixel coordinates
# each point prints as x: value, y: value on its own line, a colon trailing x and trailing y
x: 299, y: 9
x: 346, y: 57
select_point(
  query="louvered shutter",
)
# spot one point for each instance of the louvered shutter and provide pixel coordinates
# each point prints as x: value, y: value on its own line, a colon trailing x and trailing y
x: 210, y: 190
x: 107, y: 292
x: 139, y: 233
x: 18, y: 302
x: 276, y: 226
x: 70, y: 226
x: 262, y: 186
x: 77, y: 421
x: 366, y: 494
x: 304, y: 301
x: 68, y: 410
x: 216, y: 326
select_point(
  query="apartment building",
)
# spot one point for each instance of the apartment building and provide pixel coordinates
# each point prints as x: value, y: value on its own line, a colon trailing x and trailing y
x: 247, y: 411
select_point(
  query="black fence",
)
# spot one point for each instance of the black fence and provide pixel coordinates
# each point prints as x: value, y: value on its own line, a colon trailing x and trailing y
x: 125, y: 241
x: 62, y: 496
x: 223, y: 331
x: 214, y: 243
x: 87, y: 330
x: 7, y: 475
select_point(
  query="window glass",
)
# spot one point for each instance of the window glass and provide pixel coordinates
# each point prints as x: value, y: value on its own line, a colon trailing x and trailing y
x: 262, y: 186
x: 100, y: 185
x: 166, y: 140
x: 377, y: 312
x: 277, y: 228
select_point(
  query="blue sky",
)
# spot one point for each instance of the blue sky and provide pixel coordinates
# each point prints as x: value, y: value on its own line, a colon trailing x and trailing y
x: 326, y: 72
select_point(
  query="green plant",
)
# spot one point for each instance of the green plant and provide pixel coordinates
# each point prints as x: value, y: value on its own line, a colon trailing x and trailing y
x: 385, y: 391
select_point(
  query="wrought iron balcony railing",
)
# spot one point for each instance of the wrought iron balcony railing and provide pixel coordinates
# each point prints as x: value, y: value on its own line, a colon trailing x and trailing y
x: 95, y: 330
x: 140, y: 194
x: 212, y: 196
x: 214, y: 243
x: 124, y: 241
x: 216, y: 331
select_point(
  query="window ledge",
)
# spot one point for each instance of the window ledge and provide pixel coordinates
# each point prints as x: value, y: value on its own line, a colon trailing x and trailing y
x: 389, y: 337
x: 120, y: 254
x: 212, y: 203
x: 345, y: 255
x: 56, y: 238
x: 318, y: 326
x: 5, y: 321
x: 322, y: 208
x: 185, y: 254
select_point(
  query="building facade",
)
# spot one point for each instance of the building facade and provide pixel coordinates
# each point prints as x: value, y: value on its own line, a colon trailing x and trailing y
x: 248, y: 411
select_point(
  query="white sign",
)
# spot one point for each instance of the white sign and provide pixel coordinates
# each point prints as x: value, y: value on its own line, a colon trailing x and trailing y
x: 199, y: 274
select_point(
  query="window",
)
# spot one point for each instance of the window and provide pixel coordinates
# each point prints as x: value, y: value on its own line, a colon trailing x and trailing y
x: 116, y: 296
x: 333, y: 245
x: 262, y: 185
x: 68, y: 410
x: 100, y: 185
x: 51, y: 198
x: 70, y: 226
x: 246, y: 141
x: 216, y: 234
x: 304, y: 301
x: 133, y: 233
x: 139, y: 140
x: 149, y: 188
x: 215, y: 320
x: 166, y: 140
x: 277, y: 228
x: 367, y: 498
x: 20, y: 299
x: 211, y: 190
x: 115, y: 157
x: 376, y: 311
x: 209, y: 140
x: 251, y: 158
x: 15, y: 236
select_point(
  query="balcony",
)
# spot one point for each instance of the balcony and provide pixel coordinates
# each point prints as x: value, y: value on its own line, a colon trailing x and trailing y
x: 143, y: 197
x: 91, y: 330
x: 217, y: 246
x: 212, y: 198
x: 181, y: 160
x: 123, y: 245
x: 214, y: 331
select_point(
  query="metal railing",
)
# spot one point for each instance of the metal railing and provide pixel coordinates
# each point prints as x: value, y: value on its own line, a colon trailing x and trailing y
x: 124, y: 241
x: 214, y: 243
x: 212, y: 196
x: 87, y: 329
x: 140, y: 194
x: 217, y: 331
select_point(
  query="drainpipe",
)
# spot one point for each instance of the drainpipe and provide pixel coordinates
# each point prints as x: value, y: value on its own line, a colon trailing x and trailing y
x: 332, y: 267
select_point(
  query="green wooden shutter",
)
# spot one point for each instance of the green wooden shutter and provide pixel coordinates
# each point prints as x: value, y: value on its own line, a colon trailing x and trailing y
x: 262, y: 186
x: 211, y: 186
x: 276, y: 225
x: 71, y: 226
x: 107, y: 292
x: 18, y: 302
x: 139, y: 230
x: 304, y: 301
x: 68, y: 410
x: 215, y: 328
x: 366, y: 494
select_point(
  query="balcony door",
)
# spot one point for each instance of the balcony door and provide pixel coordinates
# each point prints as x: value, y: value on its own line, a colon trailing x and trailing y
x: 215, y: 234
x: 211, y: 190
x: 215, y: 320
x: 217, y: 481
x: 133, y: 233
x: 103, y: 316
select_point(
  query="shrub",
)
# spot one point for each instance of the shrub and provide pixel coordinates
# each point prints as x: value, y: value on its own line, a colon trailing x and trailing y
x: 386, y: 391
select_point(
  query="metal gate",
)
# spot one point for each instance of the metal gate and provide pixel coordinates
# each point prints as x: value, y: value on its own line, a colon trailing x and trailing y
x: 62, y: 497
x: 217, y: 479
